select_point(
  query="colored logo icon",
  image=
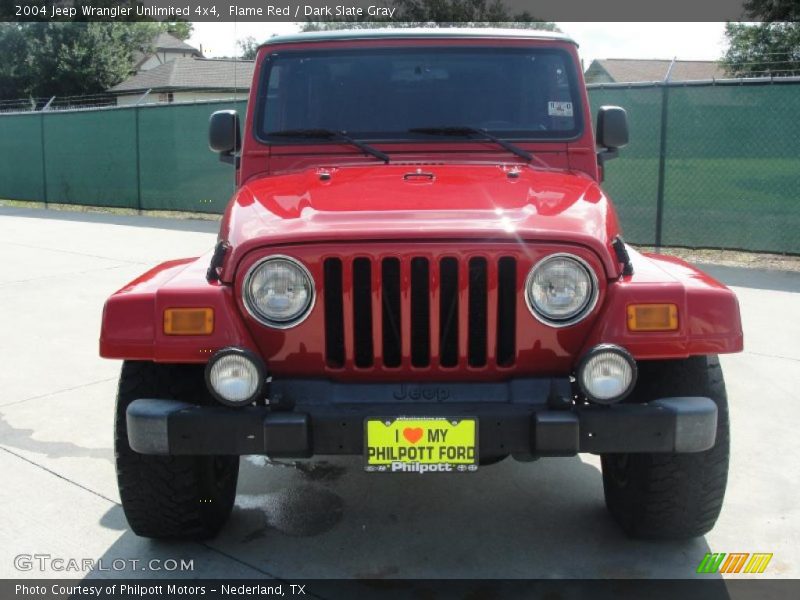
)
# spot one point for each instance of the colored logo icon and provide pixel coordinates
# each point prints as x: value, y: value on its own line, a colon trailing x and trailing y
x: 734, y: 562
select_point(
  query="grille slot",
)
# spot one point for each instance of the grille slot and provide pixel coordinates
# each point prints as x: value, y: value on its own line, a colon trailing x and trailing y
x: 506, y: 310
x: 477, y: 312
x: 420, y: 312
x: 362, y: 312
x: 334, y: 313
x: 390, y: 292
x: 448, y: 312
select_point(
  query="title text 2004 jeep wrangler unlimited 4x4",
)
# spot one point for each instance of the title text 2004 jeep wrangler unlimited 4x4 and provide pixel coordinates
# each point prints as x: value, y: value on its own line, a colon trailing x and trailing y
x: 419, y: 266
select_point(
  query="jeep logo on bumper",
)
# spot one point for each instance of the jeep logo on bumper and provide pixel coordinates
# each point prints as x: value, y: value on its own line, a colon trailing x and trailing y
x: 415, y: 392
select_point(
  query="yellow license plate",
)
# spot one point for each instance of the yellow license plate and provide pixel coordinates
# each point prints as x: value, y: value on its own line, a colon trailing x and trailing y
x: 421, y: 444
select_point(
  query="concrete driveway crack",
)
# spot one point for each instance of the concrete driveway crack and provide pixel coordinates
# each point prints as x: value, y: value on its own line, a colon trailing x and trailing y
x: 62, y: 251
x: 63, y: 274
x: 48, y: 394
x: 115, y: 503
x: 772, y: 356
x: 43, y: 468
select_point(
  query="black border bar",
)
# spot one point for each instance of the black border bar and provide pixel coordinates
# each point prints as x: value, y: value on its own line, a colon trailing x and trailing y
x: 392, y: 11
x: 712, y: 588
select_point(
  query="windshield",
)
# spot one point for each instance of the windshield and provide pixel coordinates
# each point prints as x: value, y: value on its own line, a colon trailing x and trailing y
x: 521, y: 93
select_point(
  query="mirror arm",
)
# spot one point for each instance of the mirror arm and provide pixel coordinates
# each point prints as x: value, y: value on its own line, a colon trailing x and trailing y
x: 230, y: 158
x: 607, y: 154
x: 603, y: 156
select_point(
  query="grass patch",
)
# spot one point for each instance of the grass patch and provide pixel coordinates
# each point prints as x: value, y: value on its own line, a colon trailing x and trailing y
x: 748, y: 204
x: 80, y: 208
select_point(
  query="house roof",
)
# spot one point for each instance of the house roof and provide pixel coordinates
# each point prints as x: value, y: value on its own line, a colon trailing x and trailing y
x: 165, y: 41
x: 629, y: 70
x: 191, y: 74
x: 412, y: 32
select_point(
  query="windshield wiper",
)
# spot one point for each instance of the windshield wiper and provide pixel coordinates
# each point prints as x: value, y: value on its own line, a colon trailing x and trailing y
x: 464, y: 131
x: 330, y: 134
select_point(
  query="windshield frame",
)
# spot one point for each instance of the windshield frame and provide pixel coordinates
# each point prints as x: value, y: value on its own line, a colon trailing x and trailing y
x: 414, y: 138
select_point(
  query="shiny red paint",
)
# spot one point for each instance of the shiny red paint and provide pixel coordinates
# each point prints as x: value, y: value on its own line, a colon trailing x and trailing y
x: 298, y: 352
x: 467, y: 202
x: 708, y: 312
x: 708, y: 316
x: 133, y: 317
x: 477, y: 201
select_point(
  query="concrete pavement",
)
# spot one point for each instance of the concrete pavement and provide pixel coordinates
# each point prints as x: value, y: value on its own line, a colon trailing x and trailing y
x: 326, y: 518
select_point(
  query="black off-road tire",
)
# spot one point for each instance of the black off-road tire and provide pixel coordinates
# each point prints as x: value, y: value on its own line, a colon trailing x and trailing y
x: 672, y: 496
x: 170, y: 497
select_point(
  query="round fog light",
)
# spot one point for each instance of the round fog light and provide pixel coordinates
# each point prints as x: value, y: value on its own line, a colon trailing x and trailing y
x: 606, y: 374
x: 235, y: 376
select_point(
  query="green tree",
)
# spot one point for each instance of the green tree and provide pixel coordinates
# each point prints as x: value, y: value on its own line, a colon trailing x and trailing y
x: 773, y: 10
x: 440, y: 13
x: 14, y: 74
x: 248, y: 48
x: 66, y: 59
x: 179, y: 29
x: 762, y: 49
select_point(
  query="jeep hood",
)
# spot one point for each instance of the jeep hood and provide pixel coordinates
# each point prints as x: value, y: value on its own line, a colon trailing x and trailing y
x: 432, y: 202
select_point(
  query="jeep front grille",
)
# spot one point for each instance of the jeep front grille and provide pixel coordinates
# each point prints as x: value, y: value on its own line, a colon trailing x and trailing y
x: 419, y: 311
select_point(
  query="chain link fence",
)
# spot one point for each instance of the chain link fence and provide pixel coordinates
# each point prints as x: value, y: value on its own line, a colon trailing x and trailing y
x: 147, y: 157
x: 709, y: 165
x: 58, y: 103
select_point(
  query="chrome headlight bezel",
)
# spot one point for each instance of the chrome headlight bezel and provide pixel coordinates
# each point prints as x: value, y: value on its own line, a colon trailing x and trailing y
x: 586, y: 308
x: 252, y: 307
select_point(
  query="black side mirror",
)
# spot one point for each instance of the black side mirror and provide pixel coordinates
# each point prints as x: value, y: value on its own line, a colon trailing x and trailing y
x: 224, y: 135
x: 612, y: 127
x: 612, y: 131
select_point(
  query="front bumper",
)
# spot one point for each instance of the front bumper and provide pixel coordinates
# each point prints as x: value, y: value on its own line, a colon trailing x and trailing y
x: 169, y: 427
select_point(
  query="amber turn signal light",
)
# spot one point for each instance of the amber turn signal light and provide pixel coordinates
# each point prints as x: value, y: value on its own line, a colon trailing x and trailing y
x: 188, y: 321
x: 652, y: 317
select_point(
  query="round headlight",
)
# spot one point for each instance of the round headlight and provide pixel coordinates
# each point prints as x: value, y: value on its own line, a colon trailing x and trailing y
x: 235, y: 376
x: 279, y: 291
x: 561, y: 290
x: 606, y: 374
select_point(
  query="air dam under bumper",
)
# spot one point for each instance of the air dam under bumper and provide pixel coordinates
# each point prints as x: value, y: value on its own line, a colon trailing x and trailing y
x: 169, y: 427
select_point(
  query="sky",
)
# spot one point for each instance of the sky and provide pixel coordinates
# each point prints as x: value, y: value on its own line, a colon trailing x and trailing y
x: 698, y: 41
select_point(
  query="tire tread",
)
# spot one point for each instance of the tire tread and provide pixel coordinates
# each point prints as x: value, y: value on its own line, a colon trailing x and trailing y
x: 673, y: 496
x: 168, y: 497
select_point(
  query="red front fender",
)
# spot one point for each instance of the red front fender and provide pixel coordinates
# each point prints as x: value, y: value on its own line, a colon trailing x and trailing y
x: 708, y: 313
x: 132, y: 326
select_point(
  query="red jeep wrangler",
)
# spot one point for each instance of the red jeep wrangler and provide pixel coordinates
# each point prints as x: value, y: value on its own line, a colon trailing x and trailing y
x: 420, y: 267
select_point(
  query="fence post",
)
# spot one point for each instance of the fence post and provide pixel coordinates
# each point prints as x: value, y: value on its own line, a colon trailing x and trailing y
x: 662, y: 156
x: 138, y: 153
x: 136, y: 110
x: 44, y: 159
